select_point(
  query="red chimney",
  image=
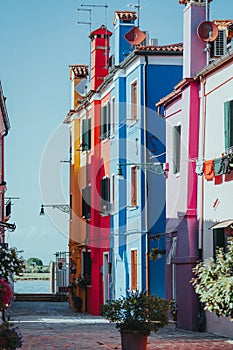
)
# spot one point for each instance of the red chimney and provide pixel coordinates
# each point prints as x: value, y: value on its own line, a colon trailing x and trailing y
x: 100, y: 48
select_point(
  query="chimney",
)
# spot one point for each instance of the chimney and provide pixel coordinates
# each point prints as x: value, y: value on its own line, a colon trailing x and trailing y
x: 78, y: 77
x: 100, y: 48
x: 194, y: 57
x: 123, y: 22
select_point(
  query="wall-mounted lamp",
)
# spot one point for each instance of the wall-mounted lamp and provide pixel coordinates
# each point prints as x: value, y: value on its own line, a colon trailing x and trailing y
x: 63, y: 207
x: 156, y: 168
x: 8, y: 226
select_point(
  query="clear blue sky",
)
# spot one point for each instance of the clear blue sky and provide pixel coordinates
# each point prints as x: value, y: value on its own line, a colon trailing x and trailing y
x: 39, y: 39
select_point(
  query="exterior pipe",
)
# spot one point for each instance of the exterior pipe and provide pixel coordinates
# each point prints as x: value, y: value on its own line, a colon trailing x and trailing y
x: 145, y: 160
x: 202, y: 154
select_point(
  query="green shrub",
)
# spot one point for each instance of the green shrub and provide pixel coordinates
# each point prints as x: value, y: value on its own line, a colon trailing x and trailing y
x: 138, y: 312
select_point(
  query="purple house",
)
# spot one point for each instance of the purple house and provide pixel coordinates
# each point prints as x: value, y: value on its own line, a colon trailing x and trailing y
x: 181, y: 112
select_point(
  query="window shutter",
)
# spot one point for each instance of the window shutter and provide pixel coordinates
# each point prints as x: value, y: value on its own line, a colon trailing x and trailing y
x: 86, y: 197
x: 228, y: 123
x: 108, y: 121
x: 88, y: 202
x: 83, y: 203
x: 134, y: 268
x: 104, y: 123
x: 176, y: 148
x: 104, y: 188
x: 86, y: 134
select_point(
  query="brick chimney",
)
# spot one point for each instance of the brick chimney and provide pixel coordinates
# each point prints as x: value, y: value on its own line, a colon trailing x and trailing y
x: 123, y: 22
x: 100, y: 48
x: 194, y: 57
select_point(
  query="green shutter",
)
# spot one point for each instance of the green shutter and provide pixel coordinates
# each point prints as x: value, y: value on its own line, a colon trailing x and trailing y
x: 86, y: 134
x: 230, y: 123
x: 226, y: 124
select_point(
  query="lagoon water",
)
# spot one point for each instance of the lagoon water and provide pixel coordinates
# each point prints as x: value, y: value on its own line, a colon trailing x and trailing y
x: 32, y: 286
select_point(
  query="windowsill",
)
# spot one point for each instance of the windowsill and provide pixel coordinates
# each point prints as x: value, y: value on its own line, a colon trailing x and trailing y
x: 105, y: 140
x: 104, y: 214
x: 177, y: 174
x: 132, y: 122
x: 132, y: 207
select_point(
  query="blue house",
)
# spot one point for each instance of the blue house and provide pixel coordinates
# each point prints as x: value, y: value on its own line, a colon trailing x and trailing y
x: 139, y: 76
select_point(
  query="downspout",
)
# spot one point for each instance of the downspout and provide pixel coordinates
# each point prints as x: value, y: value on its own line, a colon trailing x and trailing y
x: 202, y: 155
x: 146, y: 185
x: 3, y: 193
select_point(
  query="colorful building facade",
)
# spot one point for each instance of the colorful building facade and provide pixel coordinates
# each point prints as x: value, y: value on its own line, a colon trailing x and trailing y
x: 194, y: 114
x: 116, y: 127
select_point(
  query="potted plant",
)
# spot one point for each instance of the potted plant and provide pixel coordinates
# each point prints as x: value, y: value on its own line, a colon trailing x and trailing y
x: 156, y: 253
x: 10, y: 337
x: 136, y: 316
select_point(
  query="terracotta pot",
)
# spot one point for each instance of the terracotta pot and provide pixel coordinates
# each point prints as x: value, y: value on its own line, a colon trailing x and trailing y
x: 132, y: 341
x: 3, y: 341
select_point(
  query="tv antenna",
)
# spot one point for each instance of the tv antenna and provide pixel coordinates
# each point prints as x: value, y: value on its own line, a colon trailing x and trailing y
x: 105, y: 6
x: 90, y: 26
x: 138, y: 7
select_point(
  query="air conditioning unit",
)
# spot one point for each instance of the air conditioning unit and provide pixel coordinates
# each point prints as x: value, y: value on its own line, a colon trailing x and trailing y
x: 145, y: 42
x: 219, y: 45
x: 154, y: 42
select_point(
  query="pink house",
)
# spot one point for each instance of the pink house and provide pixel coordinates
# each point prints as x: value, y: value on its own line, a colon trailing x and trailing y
x: 181, y: 112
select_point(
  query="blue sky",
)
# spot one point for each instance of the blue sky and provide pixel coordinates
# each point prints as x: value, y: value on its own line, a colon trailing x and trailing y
x: 39, y: 39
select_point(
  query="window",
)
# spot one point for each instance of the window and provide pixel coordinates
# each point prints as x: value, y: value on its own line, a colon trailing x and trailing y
x: 134, y: 270
x: 113, y: 116
x: 105, y: 122
x: 228, y: 123
x: 86, y: 134
x: 220, y: 239
x: 86, y: 266
x: 113, y: 191
x: 71, y: 206
x: 176, y: 148
x: 104, y: 193
x: 134, y: 101
x: 134, y: 189
x: 86, y: 200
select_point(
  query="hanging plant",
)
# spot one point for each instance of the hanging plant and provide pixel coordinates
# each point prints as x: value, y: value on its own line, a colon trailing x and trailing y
x: 156, y: 253
x: 11, y: 263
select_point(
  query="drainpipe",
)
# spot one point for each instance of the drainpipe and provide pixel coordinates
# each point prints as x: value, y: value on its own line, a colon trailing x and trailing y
x: 145, y: 160
x: 202, y: 155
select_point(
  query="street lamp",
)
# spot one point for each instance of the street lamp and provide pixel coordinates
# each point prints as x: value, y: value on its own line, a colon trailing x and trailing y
x: 63, y: 207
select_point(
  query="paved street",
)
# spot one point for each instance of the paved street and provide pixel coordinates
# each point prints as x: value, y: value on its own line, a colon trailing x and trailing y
x: 53, y: 325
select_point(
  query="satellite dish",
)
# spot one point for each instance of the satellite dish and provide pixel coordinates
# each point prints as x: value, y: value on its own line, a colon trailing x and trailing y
x: 207, y: 31
x: 135, y: 36
x: 81, y: 87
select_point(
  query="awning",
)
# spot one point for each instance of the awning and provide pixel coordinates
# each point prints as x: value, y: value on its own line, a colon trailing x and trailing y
x: 223, y: 224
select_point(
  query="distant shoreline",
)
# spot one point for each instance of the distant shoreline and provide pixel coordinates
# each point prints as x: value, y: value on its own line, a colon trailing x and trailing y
x: 33, y: 276
x: 32, y: 279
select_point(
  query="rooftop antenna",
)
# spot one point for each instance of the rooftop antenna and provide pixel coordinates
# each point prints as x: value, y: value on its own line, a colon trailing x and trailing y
x: 90, y: 26
x: 105, y: 6
x: 138, y: 7
x: 207, y: 7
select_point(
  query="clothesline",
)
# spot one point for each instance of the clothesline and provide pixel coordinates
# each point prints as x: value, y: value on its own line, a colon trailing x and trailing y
x: 215, y: 167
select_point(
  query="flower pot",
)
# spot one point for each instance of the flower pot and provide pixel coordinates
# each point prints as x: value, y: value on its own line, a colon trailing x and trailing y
x: 3, y: 341
x: 133, y: 341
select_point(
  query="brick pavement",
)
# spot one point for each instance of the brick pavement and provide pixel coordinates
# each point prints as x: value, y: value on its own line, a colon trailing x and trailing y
x: 50, y: 326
